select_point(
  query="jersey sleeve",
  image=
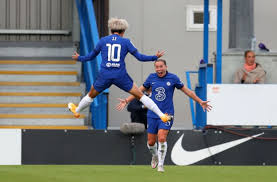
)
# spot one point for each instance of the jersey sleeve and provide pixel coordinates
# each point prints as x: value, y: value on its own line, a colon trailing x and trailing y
x: 141, y: 57
x: 92, y: 54
x: 130, y: 46
x: 178, y: 83
x: 147, y: 83
x: 144, y: 58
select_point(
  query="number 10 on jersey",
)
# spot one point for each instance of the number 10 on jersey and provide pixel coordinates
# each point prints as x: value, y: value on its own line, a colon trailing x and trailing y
x: 111, y: 51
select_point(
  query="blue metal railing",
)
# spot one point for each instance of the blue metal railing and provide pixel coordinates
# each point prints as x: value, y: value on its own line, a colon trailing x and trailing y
x: 206, y: 32
x: 205, y: 76
x: 219, y: 43
x: 190, y: 99
x: 88, y: 40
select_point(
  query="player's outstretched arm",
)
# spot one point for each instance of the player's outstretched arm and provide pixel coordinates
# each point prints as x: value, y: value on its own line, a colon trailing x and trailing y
x: 123, y: 102
x: 191, y: 94
x: 90, y: 56
x: 144, y: 58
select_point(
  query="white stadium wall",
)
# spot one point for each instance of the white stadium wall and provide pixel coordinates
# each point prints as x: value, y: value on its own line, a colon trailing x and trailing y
x: 10, y: 146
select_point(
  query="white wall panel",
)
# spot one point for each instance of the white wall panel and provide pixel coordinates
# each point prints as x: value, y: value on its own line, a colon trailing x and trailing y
x: 10, y: 145
x: 242, y: 104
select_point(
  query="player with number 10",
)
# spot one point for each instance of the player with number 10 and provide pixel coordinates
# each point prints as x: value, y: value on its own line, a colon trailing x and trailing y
x: 113, y: 50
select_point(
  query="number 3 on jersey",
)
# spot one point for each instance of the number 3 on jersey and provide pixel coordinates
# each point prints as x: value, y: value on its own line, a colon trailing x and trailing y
x: 111, y: 51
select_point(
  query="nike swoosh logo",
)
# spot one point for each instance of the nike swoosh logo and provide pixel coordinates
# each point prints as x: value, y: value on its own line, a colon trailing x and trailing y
x: 179, y: 156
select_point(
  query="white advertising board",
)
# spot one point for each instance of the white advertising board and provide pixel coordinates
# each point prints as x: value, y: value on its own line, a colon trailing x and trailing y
x: 242, y: 104
x: 10, y: 147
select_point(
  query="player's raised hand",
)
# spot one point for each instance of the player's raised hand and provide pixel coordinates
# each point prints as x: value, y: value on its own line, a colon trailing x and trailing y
x: 121, y: 105
x: 75, y: 56
x: 160, y: 54
x: 205, y: 106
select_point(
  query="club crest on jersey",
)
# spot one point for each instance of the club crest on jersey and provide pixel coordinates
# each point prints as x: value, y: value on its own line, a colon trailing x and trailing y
x: 168, y: 83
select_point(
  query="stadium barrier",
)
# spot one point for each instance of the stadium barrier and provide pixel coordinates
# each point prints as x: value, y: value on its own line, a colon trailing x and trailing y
x: 10, y: 144
x: 242, y: 104
x: 213, y: 146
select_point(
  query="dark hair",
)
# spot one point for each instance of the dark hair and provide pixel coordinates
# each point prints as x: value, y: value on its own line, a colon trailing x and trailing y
x: 118, y: 31
x: 160, y: 60
x: 246, y: 52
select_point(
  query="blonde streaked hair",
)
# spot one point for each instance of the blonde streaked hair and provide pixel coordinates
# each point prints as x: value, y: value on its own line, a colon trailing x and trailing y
x: 117, y: 25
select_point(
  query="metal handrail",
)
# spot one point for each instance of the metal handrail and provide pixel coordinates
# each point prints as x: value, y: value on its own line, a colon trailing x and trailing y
x: 89, y: 39
x: 190, y: 99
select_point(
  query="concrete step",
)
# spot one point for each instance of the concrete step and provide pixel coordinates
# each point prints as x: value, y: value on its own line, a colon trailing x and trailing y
x: 23, y: 72
x: 40, y: 84
x: 41, y: 119
x: 25, y: 98
x: 25, y: 108
x: 41, y: 127
x: 38, y: 76
x: 47, y: 122
x: 37, y: 51
x: 39, y: 97
x: 35, y: 94
x: 40, y: 65
x: 64, y: 89
x: 38, y: 62
x: 36, y: 84
x: 39, y: 116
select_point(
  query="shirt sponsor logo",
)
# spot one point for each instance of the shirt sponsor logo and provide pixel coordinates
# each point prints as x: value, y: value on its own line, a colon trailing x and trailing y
x: 114, y: 65
x: 160, y: 96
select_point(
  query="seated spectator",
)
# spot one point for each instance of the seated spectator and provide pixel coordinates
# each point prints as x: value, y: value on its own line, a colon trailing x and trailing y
x: 138, y: 112
x: 251, y: 72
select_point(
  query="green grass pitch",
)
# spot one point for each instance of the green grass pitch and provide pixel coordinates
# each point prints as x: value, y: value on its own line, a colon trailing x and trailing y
x: 109, y: 173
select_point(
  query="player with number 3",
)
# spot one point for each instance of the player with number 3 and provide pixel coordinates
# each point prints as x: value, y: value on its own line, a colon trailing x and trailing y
x: 162, y: 85
x: 113, y: 50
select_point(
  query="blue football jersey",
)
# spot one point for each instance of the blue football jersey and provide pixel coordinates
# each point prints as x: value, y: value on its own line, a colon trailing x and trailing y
x: 114, y: 49
x: 162, y: 91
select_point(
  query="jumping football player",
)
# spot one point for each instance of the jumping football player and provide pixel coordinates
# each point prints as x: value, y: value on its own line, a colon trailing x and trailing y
x: 162, y: 85
x: 113, y: 50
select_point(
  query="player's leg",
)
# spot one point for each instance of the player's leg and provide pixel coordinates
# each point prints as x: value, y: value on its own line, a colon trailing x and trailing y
x: 149, y: 103
x: 162, y: 149
x: 99, y: 85
x: 163, y: 130
x: 85, y: 102
x: 152, y: 131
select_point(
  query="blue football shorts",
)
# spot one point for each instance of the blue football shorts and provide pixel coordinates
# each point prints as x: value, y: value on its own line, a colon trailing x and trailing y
x: 154, y: 124
x: 122, y: 81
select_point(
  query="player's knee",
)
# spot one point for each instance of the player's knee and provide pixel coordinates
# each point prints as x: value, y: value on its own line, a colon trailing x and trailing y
x: 92, y: 93
x: 162, y: 139
x: 151, y: 142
